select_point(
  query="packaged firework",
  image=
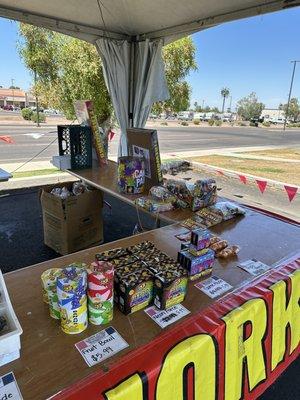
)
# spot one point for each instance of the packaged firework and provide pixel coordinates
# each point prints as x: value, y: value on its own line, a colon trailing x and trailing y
x: 134, y: 291
x: 48, y: 279
x: 131, y: 174
x: 137, y: 248
x: 170, y: 287
x: 196, y: 264
x: 100, y: 292
x: 200, y: 239
x: 111, y: 254
x: 71, y: 292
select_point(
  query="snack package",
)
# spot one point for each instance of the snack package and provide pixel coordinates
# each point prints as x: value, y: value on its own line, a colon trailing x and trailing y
x: 72, y: 299
x: 100, y: 292
x: 228, y: 252
x: 227, y: 209
x: 162, y: 194
x: 200, y: 239
x: 170, y: 287
x: 134, y: 290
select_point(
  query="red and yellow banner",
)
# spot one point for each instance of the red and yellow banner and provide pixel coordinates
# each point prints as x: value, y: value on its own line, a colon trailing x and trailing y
x: 233, y: 350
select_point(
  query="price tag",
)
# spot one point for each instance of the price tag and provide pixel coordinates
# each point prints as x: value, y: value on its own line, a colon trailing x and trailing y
x: 213, y: 286
x: 101, y: 346
x: 254, y: 267
x: 9, y: 389
x: 166, y: 317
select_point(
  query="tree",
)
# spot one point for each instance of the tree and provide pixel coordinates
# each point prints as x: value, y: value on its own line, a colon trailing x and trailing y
x: 179, y: 59
x: 293, y: 111
x: 249, y: 107
x: 68, y: 69
x: 224, y: 93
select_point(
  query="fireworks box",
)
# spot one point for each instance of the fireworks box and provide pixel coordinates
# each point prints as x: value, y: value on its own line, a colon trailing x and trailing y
x: 74, y: 223
x: 199, y: 265
x: 144, y: 143
x: 134, y: 291
x: 170, y: 287
x: 200, y: 239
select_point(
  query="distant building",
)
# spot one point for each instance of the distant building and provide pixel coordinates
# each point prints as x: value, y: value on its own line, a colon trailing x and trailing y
x: 272, y: 114
x: 16, y: 97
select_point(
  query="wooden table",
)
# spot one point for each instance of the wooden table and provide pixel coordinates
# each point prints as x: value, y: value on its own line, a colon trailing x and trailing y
x: 105, y: 178
x: 49, y: 361
x: 4, y: 176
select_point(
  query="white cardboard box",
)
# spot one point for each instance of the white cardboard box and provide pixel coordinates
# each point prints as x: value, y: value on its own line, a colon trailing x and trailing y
x: 10, y: 343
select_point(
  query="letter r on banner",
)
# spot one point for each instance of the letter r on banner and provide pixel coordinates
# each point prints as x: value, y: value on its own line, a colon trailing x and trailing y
x: 285, y: 312
x: 197, y: 352
x: 239, y: 348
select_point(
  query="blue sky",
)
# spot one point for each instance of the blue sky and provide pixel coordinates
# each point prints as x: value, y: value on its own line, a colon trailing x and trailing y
x: 246, y: 55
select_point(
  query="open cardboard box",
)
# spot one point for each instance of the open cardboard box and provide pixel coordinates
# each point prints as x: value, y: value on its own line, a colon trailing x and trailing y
x: 74, y: 223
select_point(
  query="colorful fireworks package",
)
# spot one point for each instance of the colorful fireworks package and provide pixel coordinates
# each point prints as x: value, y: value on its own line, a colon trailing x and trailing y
x: 131, y: 175
x: 48, y: 278
x: 100, y: 292
x: 71, y: 292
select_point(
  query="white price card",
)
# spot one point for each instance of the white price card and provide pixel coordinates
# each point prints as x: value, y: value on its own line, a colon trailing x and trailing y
x: 213, y: 286
x: 166, y: 317
x: 9, y: 389
x: 254, y: 267
x: 101, y: 346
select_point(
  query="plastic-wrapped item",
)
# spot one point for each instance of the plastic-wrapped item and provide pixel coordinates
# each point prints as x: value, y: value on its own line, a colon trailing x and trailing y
x: 175, y: 166
x: 179, y: 189
x: 204, y: 193
x: 162, y: 194
x: 227, y: 209
x: 63, y: 192
x: 152, y: 205
x: 78, y: 188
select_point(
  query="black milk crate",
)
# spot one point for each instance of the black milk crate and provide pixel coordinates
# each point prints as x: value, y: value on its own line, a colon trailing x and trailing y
x: 76, y: 141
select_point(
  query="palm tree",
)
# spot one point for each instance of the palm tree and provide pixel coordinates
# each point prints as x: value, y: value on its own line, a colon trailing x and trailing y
x: 225, y: 92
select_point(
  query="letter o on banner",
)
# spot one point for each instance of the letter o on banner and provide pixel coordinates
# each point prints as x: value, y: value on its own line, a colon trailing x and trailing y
x: 197, y: 352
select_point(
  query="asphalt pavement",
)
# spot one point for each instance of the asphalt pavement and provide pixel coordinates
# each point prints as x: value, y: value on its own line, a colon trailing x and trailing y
x: 30, y: 141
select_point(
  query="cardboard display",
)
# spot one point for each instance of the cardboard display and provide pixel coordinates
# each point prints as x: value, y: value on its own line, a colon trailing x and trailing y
x: 144, y: 143
x: 72, y: 224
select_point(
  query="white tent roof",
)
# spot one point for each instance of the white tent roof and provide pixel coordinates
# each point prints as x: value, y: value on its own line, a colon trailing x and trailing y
x: 90, y: 19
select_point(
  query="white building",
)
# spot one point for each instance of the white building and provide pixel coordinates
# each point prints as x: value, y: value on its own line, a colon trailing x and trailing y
x: 16, y: 97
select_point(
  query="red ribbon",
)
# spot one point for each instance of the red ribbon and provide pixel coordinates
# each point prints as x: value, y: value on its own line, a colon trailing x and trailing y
x: 261, y: 185
x: 7, y: 139
x: 291, y: 191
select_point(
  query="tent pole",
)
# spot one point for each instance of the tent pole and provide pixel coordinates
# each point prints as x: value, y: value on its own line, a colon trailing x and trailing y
x: 131, y: 83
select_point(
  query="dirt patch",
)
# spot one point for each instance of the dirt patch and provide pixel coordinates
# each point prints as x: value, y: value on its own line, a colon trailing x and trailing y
x: 276, y: 170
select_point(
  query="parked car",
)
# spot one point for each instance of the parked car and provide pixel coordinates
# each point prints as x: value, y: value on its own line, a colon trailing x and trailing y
x: 185, y: 116
x: 8, y: 108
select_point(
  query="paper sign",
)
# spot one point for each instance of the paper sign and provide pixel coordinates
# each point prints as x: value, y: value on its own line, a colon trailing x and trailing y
x: 213, y: 286
x: 166, y: 317
x: 254, y: 267
x: 101, y: 346
x: 145, y: 154
x: 9, y: 389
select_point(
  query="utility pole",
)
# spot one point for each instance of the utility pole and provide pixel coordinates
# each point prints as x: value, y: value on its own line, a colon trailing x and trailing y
x: 230, y: 103
x: 36, y: 101
x: 290, y: 93
x: 202, y: 105
x: 13, y: 90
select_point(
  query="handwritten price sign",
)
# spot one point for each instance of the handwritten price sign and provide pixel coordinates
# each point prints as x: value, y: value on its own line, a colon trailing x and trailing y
x: 101, y: 346
x: 213, y: 287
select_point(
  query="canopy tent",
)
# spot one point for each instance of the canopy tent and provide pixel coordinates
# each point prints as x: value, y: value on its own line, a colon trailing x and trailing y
x: 129, y: 35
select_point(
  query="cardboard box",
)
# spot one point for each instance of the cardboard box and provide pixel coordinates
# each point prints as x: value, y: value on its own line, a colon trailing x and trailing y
x: 144, y: 143
x: 72, y: 224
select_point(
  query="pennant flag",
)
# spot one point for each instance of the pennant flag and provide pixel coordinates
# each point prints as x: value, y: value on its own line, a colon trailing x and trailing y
x: 243, y: 179
x: 291, y: 191
x: 261, y: 185
x: 111, y: 135
x: 7, y: 139
x: 220, y: 172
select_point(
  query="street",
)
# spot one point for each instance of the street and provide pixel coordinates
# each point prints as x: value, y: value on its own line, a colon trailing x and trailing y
x: 29, y: 141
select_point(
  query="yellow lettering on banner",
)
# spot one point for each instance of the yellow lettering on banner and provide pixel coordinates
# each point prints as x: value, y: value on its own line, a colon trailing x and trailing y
x: 131, y: 389
x: 283, y: 315
x: 239, y: 349
x: 197, y: 352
